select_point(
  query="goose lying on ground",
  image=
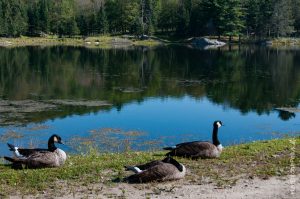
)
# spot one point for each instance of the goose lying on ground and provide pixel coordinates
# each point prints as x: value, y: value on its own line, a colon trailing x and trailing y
x: 199, y: 149
x: 38, y: 158
x: 158, y: 170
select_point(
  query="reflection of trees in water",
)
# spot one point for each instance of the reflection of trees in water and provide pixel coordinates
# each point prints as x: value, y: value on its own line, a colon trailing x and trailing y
x: 249, y: 79
x: 285, y: 115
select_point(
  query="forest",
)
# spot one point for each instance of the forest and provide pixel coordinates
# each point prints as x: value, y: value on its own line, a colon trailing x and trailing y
x: 182, y: 18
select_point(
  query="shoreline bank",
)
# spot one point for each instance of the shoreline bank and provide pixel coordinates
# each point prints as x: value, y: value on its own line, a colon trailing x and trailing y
x: 96, y: 173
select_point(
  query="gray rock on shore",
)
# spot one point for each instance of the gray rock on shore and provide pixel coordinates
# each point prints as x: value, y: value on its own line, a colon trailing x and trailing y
x: 204, y: 42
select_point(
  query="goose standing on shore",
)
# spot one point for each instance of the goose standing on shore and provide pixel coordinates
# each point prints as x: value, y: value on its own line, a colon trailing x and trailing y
x: 158, y: 170
x: 199, y: 149
x: 38, y: 158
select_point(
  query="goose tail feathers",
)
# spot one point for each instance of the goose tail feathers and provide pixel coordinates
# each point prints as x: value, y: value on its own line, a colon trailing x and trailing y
x: 10, y: 159
x: 11, y: 147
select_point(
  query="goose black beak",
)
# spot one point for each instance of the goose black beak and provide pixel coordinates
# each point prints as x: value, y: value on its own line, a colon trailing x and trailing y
x: 61, y: 142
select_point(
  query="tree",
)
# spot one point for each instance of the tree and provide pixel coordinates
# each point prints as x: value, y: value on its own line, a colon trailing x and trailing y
x: 148, y: 15
x: 14, y: 17
x: 44, y: 15
x: 182, y: 18
x: 33, y: 19
x: 102, y: 21
x: 282, y: 19
x: 62, y: 20
x: 1, y: 20
x: 296, y: 15
x: 231, y: 19
x: 167, y: 15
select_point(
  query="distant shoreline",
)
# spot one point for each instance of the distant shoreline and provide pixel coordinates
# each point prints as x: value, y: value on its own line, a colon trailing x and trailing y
x: 91, y: 42
x: 127, y: 41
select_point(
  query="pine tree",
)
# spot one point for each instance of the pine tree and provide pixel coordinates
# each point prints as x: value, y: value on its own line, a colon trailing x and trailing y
x: 1, y: 20
x: 182, y: 19
x: 148, y: 15
x: 282, y: 19
x: 62, y: 18
x: 14, y: 17
x: 296, y: 15
x: 230, y: 19
x: 44, y: 15
x: 102, y: 21
x: 82, y: 25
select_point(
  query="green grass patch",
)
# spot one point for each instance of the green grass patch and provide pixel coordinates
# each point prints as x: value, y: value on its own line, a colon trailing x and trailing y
x: 103, y: 41
x: 258, y: 159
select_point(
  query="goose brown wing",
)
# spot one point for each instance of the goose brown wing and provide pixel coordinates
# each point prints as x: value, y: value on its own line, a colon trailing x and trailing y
x: 149, y: 164
x: 28, y: 152
x: 41, y: 159
x: 191, y: 149
x: 155, y: 173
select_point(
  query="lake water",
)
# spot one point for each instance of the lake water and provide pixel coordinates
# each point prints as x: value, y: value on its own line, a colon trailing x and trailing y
x: 159, y: 96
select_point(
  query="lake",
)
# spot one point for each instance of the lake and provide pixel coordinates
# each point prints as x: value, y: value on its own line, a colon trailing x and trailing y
x: 159, y: 96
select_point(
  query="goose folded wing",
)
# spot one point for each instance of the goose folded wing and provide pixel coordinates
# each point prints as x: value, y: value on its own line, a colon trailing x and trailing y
x: 28, y: 152
x: 193, y: 148
x: 149, y: 164
x: 157, y: 173
x: 41, y: 159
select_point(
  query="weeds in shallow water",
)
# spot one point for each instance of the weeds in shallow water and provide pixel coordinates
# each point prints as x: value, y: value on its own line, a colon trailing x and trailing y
x: 259, y: 159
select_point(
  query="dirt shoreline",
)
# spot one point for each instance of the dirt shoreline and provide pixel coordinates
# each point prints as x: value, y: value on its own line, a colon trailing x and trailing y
x: 275, y: 187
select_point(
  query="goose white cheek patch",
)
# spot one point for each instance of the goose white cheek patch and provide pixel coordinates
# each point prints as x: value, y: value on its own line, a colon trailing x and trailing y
x: 17, y: 153
x: 138, y: 170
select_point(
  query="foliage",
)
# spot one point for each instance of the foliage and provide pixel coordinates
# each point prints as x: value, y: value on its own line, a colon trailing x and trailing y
x: 262, y: 18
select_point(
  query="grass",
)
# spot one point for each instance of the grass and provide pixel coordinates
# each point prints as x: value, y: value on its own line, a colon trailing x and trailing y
x: 261, y: 159
x: 105, y: 41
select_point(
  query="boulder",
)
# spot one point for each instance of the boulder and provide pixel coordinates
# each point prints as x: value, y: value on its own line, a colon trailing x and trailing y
x: 203, y: 42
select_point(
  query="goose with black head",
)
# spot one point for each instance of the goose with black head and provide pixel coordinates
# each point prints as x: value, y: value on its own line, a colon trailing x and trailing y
x: 199, y: 149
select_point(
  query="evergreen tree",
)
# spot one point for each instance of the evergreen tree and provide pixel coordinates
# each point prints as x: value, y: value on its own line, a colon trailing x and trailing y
x: 92, y: 25
x: 82, y: 25
x: 252, y: 16
x: 14, y: 17
x: 102, y: 21
x: 296, y: 15
x: 182, y: 18
x: 148, y: 15
x: 44, y: 16
x: 167, y: 15
x: 281, y: 20
x: 1, y: 20
x: 62, y: 19
x: 231, y: 19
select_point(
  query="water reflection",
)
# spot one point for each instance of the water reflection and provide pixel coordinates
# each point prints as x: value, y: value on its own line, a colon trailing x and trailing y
x: 247, y: 78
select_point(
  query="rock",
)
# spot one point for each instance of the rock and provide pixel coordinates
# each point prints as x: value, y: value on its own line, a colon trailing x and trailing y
x: 203, y: 42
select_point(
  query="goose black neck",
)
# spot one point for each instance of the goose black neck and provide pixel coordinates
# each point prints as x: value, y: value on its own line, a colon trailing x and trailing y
x: 215, y: 139
x: 51, y: 145
x: 176, y: 164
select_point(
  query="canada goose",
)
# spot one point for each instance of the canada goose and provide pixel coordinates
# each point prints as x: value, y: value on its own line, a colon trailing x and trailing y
x: 199, y: 149
x: 158, y: 170
x: 38, y: 158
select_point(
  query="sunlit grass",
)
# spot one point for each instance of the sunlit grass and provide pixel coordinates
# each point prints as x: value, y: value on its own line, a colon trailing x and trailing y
x: 101, y: 41
x: 258, y: 159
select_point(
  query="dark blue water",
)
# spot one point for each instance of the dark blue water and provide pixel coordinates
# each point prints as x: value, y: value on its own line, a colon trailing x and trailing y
x: 182, y: 91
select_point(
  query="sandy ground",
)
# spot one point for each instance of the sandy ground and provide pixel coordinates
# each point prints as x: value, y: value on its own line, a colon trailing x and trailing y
x: 285, y: 187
